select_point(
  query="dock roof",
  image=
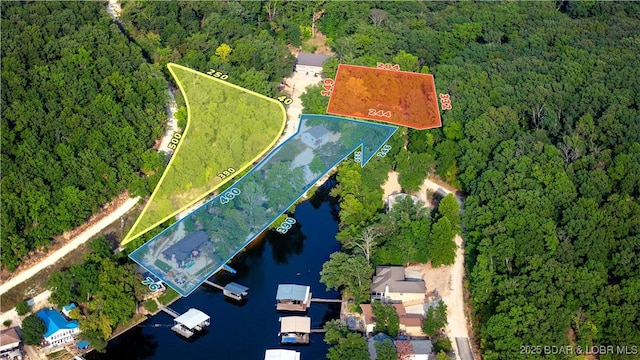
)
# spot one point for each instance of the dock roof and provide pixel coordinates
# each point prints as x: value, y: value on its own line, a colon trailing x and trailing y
x: 281, y: 354
x: 292, y: 292
x: 236, y: 288
x: 295, y: 324
x: 192, y: 318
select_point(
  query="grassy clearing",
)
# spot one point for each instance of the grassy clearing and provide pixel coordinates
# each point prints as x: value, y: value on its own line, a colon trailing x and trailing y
x: 168, y: 296
x: 150, y: 305
x: 228, y: 127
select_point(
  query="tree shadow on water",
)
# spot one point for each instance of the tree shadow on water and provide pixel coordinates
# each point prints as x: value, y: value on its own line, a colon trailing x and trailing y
x: 285, y: 245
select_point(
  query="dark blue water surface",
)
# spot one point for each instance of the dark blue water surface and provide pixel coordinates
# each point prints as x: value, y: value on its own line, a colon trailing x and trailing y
x: 244, y: 332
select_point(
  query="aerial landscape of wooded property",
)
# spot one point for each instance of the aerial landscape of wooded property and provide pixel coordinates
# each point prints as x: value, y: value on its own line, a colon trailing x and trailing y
x: 509, y: 232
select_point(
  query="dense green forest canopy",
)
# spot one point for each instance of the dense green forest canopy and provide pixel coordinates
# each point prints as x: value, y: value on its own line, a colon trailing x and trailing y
x: 80, y: 112
x: 544, y: 137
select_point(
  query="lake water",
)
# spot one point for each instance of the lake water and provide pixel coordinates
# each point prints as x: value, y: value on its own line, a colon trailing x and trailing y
x: 244, y: 332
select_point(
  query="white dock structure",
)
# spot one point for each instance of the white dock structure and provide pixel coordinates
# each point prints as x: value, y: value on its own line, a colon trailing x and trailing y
x: 281, y: 354
x: 190, y: 322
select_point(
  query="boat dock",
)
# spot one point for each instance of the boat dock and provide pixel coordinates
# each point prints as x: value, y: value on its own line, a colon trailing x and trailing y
x: 188, y: 323
x: 292, y: 297
x: 295, y: 330
x: 231, y: 290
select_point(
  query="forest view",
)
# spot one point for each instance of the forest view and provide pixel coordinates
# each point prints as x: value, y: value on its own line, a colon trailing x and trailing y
x: 543, y: 138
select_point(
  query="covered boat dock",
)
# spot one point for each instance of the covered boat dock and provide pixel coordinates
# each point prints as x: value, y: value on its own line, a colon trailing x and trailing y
x: 295, y: 329
x: 292, y: 297
x: 190, y: 322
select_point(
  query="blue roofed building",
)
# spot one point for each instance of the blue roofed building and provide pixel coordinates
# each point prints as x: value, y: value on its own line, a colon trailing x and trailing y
x: 67, y: 309
x: 59, y: 330
x: 292, y: 297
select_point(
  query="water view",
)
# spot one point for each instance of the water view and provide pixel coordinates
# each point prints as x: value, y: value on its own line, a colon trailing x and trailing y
x: 245, y: 331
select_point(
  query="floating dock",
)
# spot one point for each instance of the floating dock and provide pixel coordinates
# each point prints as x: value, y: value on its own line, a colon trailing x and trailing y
x: 292, y: 297
x: 295, y: 329
x: 231, y: 290
x: 281, y: 354
x: 188, y: 323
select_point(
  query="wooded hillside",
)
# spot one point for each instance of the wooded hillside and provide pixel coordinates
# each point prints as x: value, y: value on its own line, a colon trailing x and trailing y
x: 80, y: 112
x: 543, y: 136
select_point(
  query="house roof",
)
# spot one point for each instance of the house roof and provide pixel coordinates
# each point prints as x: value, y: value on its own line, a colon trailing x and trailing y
x: 311, y: 59
x: 69, y: 307
x: 421, y: 346
x: 297, y: 324
x: 192, y: 318
x: 393, y: 276
x: 371, y: 343
x: 9, y: 337
x: 236, y: 288
x: 317, y: 131
x: 292, y: 292
x: 54, y: 321
x: 281, y: 354
x: 367, y: 311
x: 183, y: 248
x: 411, y: 320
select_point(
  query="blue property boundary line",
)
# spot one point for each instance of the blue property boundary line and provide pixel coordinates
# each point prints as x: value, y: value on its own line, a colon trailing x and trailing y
x: 252, y: 236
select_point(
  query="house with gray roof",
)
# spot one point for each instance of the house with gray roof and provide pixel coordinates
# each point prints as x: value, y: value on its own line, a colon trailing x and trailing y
x: 315, y: 136
x: 308, y: 63
x: 390, y: 285
x: 186, y: 249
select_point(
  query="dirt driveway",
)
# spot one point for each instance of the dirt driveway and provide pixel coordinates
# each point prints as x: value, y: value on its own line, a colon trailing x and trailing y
x: 447, y: 280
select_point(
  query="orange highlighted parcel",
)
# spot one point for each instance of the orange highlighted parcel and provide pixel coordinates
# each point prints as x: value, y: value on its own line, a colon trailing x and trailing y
x: 396, y: 97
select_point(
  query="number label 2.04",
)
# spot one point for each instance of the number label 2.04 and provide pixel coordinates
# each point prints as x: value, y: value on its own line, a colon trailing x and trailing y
x: 286, y: 225
x: 229, y: 195
x: 388, y: 66
x: 175, y: 139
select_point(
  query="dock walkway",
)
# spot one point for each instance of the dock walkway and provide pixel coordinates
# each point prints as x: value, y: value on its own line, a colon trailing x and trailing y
x: 318, y: 300
x: 170, y: 311
x: 212, y: 284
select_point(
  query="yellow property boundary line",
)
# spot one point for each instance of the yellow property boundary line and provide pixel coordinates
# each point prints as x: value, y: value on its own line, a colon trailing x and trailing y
x: 170, y: 66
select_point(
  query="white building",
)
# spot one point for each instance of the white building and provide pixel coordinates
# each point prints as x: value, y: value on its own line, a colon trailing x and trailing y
x: 281, y: 354
x: 311, y: 64
x: 59, y: 331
